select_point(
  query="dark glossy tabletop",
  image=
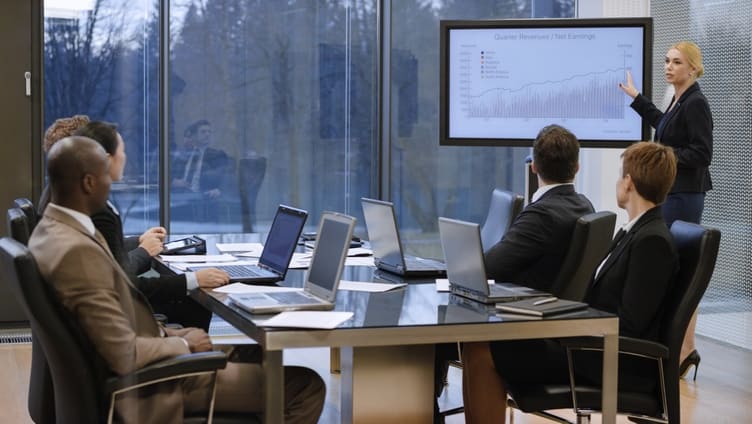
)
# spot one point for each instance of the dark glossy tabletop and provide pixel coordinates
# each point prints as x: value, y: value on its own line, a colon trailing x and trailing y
x: 415, y: 305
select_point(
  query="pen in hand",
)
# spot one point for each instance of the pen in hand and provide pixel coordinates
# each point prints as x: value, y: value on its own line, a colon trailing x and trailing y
x: 545, y: 300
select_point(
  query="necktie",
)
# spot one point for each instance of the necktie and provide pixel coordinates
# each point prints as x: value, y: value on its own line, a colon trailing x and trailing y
x: 194, y: 181
x: 617, y: 239
x: 192, y: 170
x: 615, y: 242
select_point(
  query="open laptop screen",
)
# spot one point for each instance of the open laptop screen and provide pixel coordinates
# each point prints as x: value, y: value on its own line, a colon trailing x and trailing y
x: 463, y: 254
x: 331, y: 249
x: 283, y: 238
x: 382, y: 231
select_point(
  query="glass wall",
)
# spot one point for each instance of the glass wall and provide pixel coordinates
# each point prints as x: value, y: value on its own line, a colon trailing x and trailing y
x: 428, y: 181
x: 100, y: 59
x: 277, y: 103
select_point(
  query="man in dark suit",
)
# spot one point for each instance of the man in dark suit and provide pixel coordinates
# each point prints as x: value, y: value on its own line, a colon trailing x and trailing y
x: 632, y: 282
x: 74, y: 258
x: 199, y: 175
x: 533, y: 249
x: 203, y: 167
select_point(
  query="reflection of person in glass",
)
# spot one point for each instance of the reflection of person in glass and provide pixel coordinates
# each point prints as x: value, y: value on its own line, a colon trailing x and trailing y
x: 686, y: 126
x: 201, y: 169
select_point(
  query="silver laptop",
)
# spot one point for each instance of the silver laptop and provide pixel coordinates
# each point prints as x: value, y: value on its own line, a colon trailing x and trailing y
x: 466, y: 269
x: 277, y: 253
x: 322, y: 280
x: 387, y: 247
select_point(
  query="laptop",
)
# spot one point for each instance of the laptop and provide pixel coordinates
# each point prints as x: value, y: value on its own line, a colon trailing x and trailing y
x: 466, y: 269
x: 322, y: 280
x: 383, y: 235
x: 277, y: 253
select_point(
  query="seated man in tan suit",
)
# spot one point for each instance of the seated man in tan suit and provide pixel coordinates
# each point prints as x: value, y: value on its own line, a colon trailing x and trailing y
x: 75, y: 259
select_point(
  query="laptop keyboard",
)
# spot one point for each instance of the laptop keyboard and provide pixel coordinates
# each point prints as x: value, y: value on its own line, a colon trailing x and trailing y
x: 240, y: 271
x: 291, y: 297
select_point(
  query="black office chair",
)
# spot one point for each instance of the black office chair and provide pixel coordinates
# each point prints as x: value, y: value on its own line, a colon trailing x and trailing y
x: 589, y: 245
x: 698, y: 249
x: 28, y: 208
x: 504, y: 207
x: 41, y: 401
x: 84, y: 390
x: 18, y: 225
x: 251, y: 173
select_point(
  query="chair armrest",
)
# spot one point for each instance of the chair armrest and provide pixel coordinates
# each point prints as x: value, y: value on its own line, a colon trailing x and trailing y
x: 177, y: 367
x: 627, y: 345
x: 160, y: 318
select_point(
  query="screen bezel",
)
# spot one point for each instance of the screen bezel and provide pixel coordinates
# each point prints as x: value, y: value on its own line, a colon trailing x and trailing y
x: 447, y: 25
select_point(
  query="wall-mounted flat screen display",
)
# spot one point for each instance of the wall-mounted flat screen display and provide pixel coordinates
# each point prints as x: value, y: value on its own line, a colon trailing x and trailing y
x: 504, y: 80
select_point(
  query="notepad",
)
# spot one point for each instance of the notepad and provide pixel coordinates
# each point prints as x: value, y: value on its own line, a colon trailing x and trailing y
x: 527, y: 307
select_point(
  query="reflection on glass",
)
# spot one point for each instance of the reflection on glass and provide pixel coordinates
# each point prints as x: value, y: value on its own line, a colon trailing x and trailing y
x: 428, y: 181
x: 289, y: 89
x: 100, y: 60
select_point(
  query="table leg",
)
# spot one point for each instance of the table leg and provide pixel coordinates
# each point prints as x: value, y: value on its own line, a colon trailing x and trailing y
x: 610, y: 377
x: 334, y: 366
x: 273, y: 387
x: 387, y: 384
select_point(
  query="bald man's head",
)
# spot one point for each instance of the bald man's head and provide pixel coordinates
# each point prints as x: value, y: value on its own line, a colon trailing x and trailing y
x: 78, y: 169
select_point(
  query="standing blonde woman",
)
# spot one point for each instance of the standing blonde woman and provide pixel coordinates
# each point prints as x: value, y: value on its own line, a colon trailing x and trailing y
x: 687, y: 127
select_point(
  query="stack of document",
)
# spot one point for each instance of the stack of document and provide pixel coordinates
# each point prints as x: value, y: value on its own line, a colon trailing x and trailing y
x: 183, y: 262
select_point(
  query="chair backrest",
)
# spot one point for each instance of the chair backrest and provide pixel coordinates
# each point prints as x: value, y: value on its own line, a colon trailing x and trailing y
x: 11, y: 311
x: 41, y: 398
x: 698, y: 248
x: 77, y: 371
x: 28, y: 208
x: 589, y: 244
x: 251, y: 173
x: 504, y: 207
x: 18, y: 225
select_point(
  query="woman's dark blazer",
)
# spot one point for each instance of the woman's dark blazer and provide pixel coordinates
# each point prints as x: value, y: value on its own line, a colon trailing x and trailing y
x: 157, y: 289
x: 134, y: 259
x: 637, y: 274
x: 689, y: 131
x: 632, y: 283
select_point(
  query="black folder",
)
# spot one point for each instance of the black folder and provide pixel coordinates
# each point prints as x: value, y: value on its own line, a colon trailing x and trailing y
x: 527, y: 307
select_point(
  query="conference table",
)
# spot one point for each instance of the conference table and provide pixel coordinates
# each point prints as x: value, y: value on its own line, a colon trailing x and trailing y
x: 387, y: 348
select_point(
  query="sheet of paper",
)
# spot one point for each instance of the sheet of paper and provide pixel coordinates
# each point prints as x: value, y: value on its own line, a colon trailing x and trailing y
x: 307, y: 319
x: 300, y: 260
x: 197, y: 258
x: 248, y: 288
x: 359, y: 261
x: 367, y: 286
x: 183, y: 266
x: 442, y: 284
x: 247, y: 249
x: 359, y: 251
